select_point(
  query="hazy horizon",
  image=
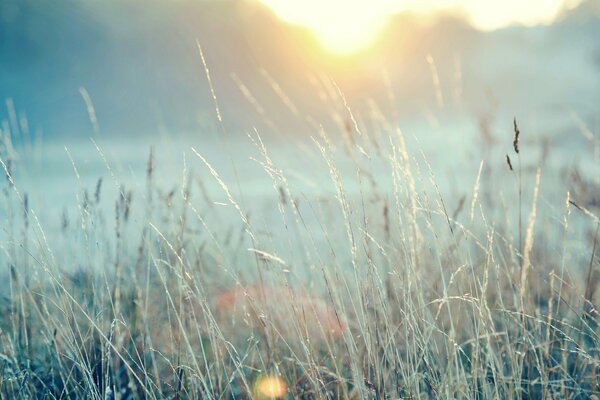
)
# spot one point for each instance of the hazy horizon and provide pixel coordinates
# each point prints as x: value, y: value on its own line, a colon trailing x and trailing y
x: 141, y: 70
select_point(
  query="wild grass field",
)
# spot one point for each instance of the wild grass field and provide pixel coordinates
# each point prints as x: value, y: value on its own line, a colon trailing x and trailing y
x: 375, y: 284
x: 197, y: 201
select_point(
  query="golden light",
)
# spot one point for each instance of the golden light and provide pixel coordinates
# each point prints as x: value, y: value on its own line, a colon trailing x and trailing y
x: 270, y: 387
x: 341, y: 26
x: 348, y: 26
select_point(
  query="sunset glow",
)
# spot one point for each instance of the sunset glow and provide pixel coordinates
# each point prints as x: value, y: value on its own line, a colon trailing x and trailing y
x: 341, y: 26
x: 345, y: 27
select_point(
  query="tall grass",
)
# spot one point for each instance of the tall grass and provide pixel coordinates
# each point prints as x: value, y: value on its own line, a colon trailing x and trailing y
x: 385, y: 294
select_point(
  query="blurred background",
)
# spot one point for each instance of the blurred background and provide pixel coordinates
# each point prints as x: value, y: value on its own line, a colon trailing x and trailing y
x: 275, y: 66
x: 451, y: 75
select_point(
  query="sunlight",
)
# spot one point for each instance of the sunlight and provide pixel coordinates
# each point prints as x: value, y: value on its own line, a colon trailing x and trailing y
x: 341, y: 26
x: 345, y: 27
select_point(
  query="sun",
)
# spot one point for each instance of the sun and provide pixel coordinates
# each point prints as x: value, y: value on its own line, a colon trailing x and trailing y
x: 342, y: 27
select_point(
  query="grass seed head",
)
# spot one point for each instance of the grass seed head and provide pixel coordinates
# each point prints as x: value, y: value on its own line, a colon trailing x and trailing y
x: 517, y: 133
x: 509, y: 162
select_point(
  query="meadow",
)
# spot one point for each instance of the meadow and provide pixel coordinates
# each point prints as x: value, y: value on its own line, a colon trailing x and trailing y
x: 199, y: 200
x: 360, y: 277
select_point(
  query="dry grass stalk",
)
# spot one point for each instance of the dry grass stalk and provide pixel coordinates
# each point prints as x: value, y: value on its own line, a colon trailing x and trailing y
x: 529, y: 237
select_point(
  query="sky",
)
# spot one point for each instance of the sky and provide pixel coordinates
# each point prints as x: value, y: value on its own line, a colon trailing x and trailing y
x: 345, y: 26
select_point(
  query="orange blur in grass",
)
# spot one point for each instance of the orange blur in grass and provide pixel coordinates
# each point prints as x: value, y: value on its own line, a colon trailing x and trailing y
x: 270, y: 387
x: 317, y: 314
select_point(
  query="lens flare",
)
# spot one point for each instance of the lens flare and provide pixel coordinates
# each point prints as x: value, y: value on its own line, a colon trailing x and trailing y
x: 270, y: 387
